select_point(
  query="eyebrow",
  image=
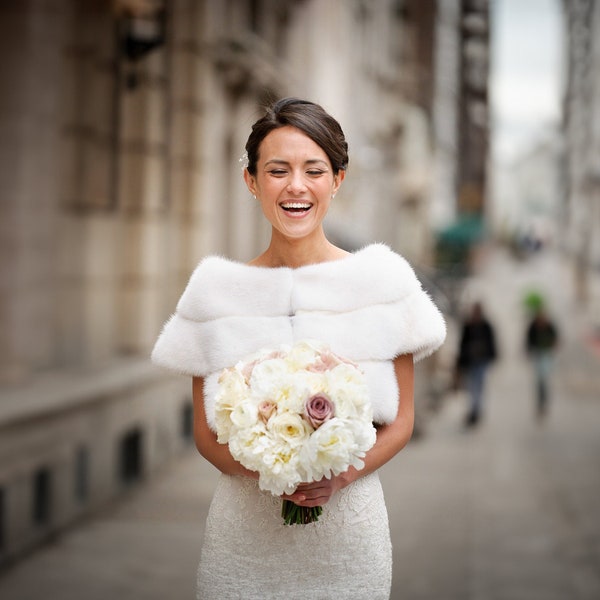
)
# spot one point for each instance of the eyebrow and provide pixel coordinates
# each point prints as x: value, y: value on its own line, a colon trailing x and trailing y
x: 310, y: 161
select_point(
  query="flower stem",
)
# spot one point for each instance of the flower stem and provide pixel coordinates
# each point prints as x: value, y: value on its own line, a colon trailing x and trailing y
x: 299, y: 515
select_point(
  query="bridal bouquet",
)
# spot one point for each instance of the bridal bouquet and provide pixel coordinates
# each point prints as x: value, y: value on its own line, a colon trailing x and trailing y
x: 295, y: 414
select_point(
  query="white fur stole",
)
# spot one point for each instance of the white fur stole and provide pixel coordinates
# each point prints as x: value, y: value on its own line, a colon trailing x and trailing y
x: 369, y: 307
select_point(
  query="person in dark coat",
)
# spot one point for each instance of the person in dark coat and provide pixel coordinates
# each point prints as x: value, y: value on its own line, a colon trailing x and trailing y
x: 541, y: 340
x: 476, y: 352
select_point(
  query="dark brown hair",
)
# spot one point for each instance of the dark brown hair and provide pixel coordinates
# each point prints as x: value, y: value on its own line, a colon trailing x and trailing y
x: 308, y: 117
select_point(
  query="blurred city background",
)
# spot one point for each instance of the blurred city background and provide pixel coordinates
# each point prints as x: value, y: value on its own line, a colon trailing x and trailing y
x: 474, y: 135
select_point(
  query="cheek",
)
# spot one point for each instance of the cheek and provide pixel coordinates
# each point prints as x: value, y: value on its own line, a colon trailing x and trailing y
x: 269, y: 187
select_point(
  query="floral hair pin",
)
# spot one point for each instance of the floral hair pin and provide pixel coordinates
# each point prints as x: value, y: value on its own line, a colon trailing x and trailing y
x: 244, y: 160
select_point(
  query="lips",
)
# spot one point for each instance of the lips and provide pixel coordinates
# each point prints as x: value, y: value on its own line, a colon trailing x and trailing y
x: 296, y: 207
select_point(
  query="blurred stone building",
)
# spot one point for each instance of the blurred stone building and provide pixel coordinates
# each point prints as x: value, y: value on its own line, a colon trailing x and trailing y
x: 530, y: 195
x: 582, y: 143
x: 122, y: 126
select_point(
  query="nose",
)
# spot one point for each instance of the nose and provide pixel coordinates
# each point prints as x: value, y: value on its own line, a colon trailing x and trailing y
x: 296, y: 183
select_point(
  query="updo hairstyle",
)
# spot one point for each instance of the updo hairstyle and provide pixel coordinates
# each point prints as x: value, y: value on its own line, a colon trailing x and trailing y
x: 308, y: 117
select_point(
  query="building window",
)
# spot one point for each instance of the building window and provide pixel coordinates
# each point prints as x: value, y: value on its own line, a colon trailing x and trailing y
x: 42, y: 496
x: 82, y: 476
x: 187, y: 421
x: 130, y: 456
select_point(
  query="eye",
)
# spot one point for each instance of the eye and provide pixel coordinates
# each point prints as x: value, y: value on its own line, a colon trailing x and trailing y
x: 278, y: 172
x: 315, y: 172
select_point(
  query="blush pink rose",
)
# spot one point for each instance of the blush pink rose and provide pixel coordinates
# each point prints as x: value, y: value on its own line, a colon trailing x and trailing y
x: 328, y: 361
x: 248, y: 368
x: 318, y: 409
x: 265, y: 409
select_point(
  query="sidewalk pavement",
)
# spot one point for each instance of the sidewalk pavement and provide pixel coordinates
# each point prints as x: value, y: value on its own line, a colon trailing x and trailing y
x: 508, y: 511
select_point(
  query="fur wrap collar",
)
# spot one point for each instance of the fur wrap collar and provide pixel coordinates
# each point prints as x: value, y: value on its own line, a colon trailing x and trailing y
x: 369, y: 307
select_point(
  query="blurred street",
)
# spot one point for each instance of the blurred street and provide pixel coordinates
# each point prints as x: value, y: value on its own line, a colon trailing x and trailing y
x: 510, y: 510
x: 507, y: 511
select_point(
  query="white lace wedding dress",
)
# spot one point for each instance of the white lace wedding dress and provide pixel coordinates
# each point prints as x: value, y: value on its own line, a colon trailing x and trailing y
x: 249, y: 554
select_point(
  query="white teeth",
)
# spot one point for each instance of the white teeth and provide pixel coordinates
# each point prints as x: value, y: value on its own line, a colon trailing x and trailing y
x: 296, y: 205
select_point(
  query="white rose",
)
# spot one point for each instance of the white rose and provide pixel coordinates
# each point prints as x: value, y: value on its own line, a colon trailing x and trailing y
x: 232, y: 390
x: 303, y: 354
x: 232, y: 384
x: 244, y: 414
x: 268, y: 378
x: 349, y: 390
x: 291, y: 428
x: 223, y: 425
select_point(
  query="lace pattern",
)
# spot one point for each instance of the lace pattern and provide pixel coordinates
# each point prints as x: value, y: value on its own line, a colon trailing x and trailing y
x: 249, y: 554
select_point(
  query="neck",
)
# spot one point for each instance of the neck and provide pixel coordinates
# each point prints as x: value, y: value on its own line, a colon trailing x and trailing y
x: 285, y: 252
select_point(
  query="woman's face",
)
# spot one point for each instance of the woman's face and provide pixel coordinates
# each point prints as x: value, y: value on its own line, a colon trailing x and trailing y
x: 294, y: 182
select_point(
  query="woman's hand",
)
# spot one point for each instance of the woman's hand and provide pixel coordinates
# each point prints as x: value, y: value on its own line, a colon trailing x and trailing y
x: 318, y: 493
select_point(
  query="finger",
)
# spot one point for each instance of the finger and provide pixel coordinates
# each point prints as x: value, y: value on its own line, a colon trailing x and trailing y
x: 295, y: 497
x: 315, y: 498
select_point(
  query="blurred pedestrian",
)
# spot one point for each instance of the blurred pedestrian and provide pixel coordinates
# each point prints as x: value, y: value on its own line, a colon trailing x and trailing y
x: 541, y: 340
x: 477, y: 350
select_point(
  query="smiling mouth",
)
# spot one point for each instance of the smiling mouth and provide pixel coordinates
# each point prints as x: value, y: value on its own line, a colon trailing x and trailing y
x: 296, y: 207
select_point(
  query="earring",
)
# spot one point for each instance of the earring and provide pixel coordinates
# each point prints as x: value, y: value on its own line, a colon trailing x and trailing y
x: 332, y: 196
x: 254, y: 196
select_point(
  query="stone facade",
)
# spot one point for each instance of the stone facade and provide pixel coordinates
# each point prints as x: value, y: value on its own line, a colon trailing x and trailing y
x: 122, y: 127
x: 582, y: 145
x: 461, y: 111
x: 473, y: 112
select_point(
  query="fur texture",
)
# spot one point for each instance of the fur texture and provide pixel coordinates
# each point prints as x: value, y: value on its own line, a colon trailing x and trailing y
x: 369, y: 307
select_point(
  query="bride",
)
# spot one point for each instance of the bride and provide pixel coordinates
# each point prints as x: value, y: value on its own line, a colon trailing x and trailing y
x: 368, y: 306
